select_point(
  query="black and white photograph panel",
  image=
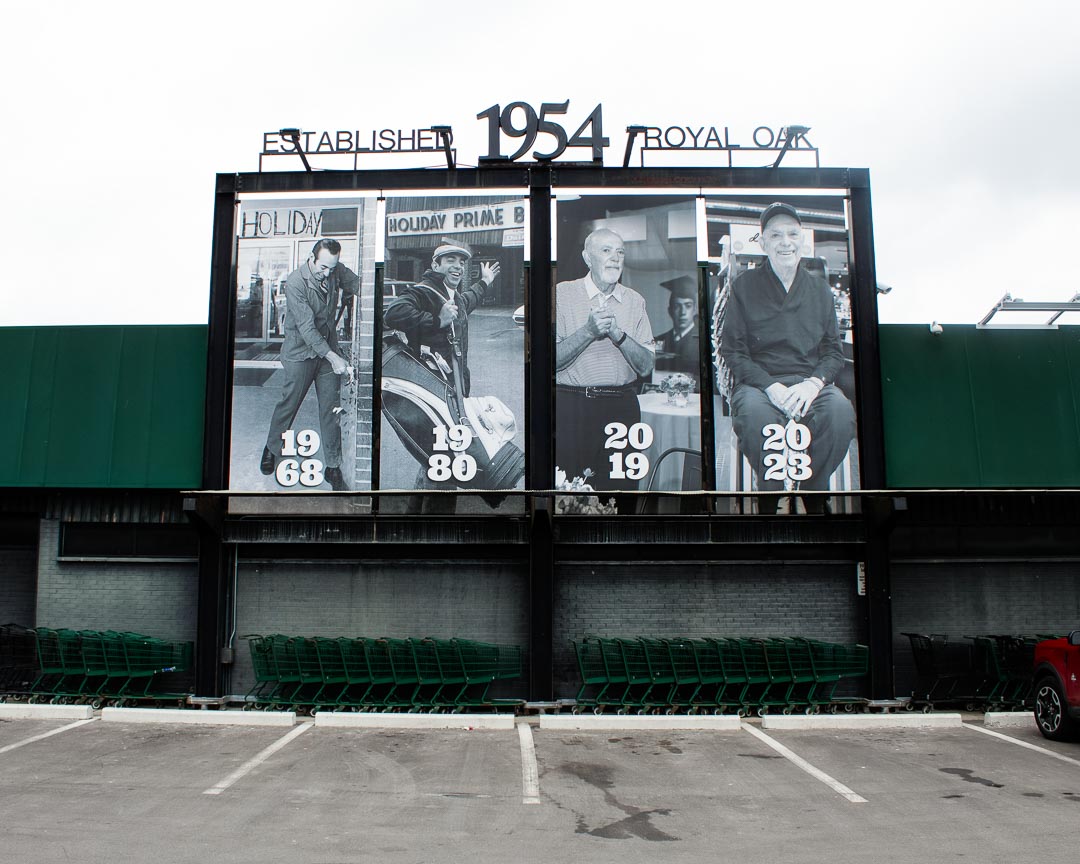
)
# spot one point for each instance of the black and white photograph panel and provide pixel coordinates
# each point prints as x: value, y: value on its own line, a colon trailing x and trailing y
x: 303, y: 347
x: 627, y: 345
x: 781, y: 344
x: 453, y: 355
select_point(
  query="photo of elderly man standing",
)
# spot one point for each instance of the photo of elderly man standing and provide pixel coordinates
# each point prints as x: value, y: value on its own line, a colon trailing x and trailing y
x: 603, y: 346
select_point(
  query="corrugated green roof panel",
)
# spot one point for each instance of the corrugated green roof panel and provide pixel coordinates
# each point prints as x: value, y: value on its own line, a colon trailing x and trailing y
x: 1025, y: 408
x: 122, y: 407
x: 981, y: 408
x: 18, y: 347
x: 928, y: 415
x: 103, y: 407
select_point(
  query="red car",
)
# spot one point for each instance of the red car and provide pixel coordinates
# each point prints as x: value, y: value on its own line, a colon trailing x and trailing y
x: 1057, y: 687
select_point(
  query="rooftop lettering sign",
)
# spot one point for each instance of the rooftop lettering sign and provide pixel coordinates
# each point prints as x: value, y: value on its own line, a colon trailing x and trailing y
x: 520, y: 133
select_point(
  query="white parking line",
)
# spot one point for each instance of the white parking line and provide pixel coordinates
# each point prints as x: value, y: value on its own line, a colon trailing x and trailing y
x: 26, y: 741
x: 817, y: 773
x: 1020, y: 743
x: 530, y: 774
x: 256, y: 760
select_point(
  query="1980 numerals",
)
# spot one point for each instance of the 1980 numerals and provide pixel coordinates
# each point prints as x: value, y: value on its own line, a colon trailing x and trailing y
x: 442, y: 466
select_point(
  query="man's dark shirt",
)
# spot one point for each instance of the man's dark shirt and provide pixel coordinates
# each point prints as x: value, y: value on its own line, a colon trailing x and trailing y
x: 770, y: 333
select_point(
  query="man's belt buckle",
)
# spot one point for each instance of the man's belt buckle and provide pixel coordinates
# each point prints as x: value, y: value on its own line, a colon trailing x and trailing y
x: 600, y: 392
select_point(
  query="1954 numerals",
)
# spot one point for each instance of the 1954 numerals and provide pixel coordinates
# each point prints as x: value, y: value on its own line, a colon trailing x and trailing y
x: 502, y: 120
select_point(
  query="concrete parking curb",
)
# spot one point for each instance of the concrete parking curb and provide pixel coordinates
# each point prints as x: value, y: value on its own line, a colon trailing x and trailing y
x: 643, y: 722
x: 861, y: 721
x: 204, y: 718
x: 995, y: 719
x: 22, y: 711
x: 368, y: 720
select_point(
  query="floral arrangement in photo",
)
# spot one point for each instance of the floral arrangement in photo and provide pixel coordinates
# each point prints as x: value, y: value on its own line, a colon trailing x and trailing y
x: 677, y: 382
x: 578, y: 504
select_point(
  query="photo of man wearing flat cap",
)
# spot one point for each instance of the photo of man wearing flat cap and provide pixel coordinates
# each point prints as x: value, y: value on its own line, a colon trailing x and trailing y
x: 452, y: 354
x: 781, y: 355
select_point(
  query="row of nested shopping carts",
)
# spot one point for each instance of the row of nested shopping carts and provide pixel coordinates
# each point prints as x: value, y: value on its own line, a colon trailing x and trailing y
x: 990, y: 672
x: 311, y: 673
x: 716, y: 675
x: 90, y: 666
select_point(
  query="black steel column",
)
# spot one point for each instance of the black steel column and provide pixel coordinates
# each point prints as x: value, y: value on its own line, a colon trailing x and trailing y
x: 539, y: 336
x: 214, y: 565
x: 208, y: 514
x: 219, y: 349
x: 540, y: 474
x: 865, y: 332
x: 877, y: 510
x: 878, y: 516
x: 541, y: 598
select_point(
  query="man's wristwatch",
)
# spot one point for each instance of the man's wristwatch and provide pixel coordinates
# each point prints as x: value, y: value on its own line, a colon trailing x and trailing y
x: 621, y: 339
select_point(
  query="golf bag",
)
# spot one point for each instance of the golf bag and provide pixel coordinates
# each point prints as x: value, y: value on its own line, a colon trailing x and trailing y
x: 419, y: 396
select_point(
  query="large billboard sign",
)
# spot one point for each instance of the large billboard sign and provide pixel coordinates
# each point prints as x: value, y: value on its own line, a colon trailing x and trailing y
x: 702, y: 338
x: 302, y: 345
x: 453, y: 361
x: 782, y: 348
x: 627, y: 358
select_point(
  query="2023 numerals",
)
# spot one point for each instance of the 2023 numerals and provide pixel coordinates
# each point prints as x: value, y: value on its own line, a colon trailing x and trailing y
x: 792, y: 462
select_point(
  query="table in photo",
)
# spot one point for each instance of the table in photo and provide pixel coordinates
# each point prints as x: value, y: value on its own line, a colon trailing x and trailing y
x: 672, y: 426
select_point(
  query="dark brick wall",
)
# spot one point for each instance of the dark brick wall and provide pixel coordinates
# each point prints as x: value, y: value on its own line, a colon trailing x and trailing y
x: 482, y: 600
x: 18, y: 584
x: 158, y: 599
x: 685, y: 599
x: 972, y: 599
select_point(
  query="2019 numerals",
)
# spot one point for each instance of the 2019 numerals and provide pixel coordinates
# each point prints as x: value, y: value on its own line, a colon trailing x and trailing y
x: 634, y: 465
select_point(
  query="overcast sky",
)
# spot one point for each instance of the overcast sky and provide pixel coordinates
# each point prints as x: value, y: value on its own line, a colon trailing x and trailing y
x: 117, y: 116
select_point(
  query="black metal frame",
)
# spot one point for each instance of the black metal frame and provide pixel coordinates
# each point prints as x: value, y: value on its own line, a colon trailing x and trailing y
x: 869, y: 542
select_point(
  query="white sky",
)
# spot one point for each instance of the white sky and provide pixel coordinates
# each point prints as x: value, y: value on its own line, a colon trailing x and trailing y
x: 116, y: 117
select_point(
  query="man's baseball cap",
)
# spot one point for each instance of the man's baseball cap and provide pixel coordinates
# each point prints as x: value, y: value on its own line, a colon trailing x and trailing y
x: 452, y: 249
x: 778, y: 208
x: 683, y: 287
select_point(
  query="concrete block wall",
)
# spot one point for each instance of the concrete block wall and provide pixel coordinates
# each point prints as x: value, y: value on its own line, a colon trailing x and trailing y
x: 666, y: 600
x: 975, y: 599
x: 482, y: 600
x: 158, y: 599
x: 18, y: 586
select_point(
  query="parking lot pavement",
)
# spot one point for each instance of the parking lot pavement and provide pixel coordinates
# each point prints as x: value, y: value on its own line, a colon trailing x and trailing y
x: 15, y: 731
x: 120, y: 793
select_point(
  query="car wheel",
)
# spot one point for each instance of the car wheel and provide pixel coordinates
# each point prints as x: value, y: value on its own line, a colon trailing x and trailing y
x: 1050, y: 711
